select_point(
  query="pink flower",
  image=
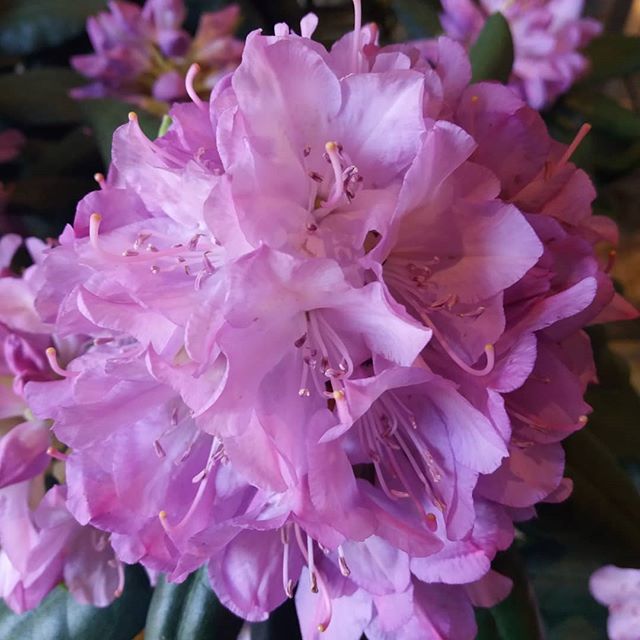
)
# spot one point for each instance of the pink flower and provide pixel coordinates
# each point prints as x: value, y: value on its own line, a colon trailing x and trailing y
x: 312, y: 308
x: 142, y: 55
x: 547, y: 36
x: 41, y: 544
x: 619, y: 589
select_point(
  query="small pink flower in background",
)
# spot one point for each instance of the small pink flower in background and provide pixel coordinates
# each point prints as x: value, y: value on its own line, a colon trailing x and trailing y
x: 619, y: 590
x: 142, y: 54
x: 547, y: 38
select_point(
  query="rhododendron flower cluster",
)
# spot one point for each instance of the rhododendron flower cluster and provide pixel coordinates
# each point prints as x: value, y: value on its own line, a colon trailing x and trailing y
x: 41, y: 544
x: 619, y: 589
x: 547, y: 38
x: 331, y: 335
x: 142, y: 54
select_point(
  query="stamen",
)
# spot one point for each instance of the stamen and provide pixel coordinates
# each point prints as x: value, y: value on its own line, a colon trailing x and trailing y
x: 287, y: 582
x: 580, y: 136
x: 489, y: 352
x: 120, y: 588
x: 312, y: 568
x: 99, y: 178
x: 57, y: 455
x: 344, y: 568
x: 52, y: 358
x: 333, y: 155
x: 611, y: 260
x: 193, y: 71
x: 357, y: 28
x: 94, y: 227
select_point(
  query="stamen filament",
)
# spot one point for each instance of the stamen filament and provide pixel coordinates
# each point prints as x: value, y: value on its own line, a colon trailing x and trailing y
x: 52, y: 358
x: 193, y: 71
x: 571, y: 149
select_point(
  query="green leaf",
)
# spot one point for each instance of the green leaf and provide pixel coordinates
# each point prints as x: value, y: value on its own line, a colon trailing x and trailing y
x: 190, y: 611
x: 517, y: 617
x: 487, y: 628
x: 605, y: 114
x: 105, y: 116
x: 61, y: 617
x: 604, y: 498
x: 418, y: 18
x: 612, y: 56
x: 164, y: 125
x: 492, y: 53
x: 39, y: 97
x: 282, y: 623
x: 27, y: 26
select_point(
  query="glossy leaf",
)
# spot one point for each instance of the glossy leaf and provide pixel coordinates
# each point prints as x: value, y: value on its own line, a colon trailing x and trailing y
x: 604, y: 498
x: 60, y: 617
x: 517, y: 617
x: 190, y: 611
x: 39, y: 97
x: 612, y: 56
x: 418, y: 18
x: 29, y: 25
x: 282, y: 623
x: 492, y: 53
x: 605, y: 114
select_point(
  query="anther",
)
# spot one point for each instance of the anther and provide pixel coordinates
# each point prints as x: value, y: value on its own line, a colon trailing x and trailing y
x: 133, y: 116
x: 99, y: 178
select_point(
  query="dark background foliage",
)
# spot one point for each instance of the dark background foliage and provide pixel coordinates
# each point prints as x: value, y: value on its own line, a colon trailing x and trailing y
x: 67, y: 142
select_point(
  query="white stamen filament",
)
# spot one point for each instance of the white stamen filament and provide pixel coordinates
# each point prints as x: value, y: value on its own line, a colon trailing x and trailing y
x: 52, y: 359
x: 357, y: 29
x: 193, y: 71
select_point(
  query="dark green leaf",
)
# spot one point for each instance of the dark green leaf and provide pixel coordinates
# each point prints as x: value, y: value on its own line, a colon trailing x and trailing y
x: 166, y: 608
x: 613, y: 55
x: 492, y: 53
x: 29, y: 25
x: 605, y: 114
x: 39, y: 97
x: 75, y: 152
x: 190, y: 611
x: 604, y: 499
x: 517, y: 617
x: 60, y: 617
x: 50, y: 194
x: 418, y: 18
x: 282, y: 623
x: 487, y: 628
x: 105, y: 116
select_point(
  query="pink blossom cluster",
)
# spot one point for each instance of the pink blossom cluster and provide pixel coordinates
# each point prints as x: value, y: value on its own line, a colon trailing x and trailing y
x: 547, y: 38
x: 142, y: 54
x: 328, y: 336
x: 41, y: 544
x: 619, y: 590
